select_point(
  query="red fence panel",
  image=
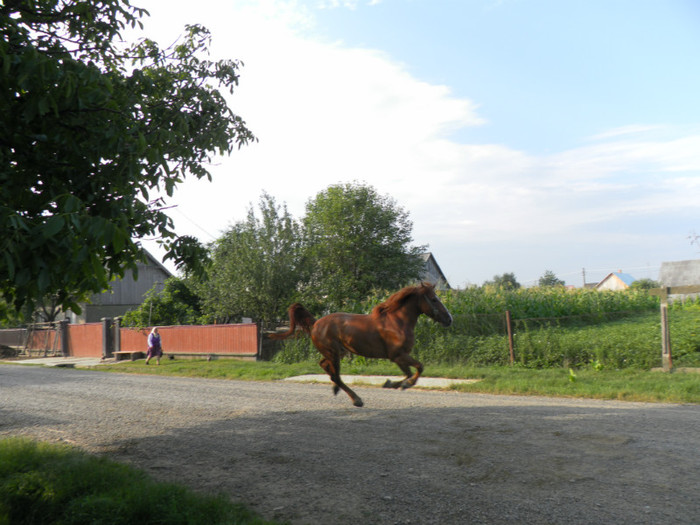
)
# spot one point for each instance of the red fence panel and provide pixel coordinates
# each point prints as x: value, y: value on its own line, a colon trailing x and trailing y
x: 233, y: 339
x: 85, y: 340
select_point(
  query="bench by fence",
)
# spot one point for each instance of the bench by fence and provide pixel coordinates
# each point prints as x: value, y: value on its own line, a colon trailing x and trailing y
x: 131, y: 355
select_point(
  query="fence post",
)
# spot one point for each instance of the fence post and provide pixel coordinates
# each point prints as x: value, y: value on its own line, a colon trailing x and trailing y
x: 666, y: 360
x: 63, y: 331
x: 106, y: 337
x: 509, y: 329
x: 117, y: 334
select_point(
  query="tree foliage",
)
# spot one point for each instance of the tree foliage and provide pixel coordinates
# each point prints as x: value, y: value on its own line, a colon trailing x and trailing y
x: 645, y: 284
x: 175, y: 304
x: 550, y: 279
x: 358, y: 241
x: 507, y: 281
x: 89, y: 134
x: 255, y: 266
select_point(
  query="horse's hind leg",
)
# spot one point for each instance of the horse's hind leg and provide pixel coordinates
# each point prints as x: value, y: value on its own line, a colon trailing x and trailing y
x: 327, y: 366
x: 331, y: 364
x: 405, y: 362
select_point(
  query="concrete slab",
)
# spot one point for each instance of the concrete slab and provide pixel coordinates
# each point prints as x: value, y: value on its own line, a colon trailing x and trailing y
x: 424, y: 382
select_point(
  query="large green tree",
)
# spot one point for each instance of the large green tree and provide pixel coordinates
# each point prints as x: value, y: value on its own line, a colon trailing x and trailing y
x: 255, y: 267
x: 549, y: 279
x: 90, y: 133
x: 358, y: 241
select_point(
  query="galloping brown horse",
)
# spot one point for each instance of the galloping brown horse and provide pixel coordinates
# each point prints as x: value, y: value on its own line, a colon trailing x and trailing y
x: 385, y: 333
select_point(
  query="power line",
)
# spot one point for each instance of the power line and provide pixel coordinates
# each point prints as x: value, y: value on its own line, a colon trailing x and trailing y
x: 212, y: 237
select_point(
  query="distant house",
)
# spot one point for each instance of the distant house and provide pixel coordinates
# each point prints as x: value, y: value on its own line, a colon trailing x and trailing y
x: 615, y: 281
x: 432, y: 272
x: 680, y: 273
x: 124, y: 294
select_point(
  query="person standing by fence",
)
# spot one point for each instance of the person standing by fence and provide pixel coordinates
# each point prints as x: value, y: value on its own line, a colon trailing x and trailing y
x: 154, y: 346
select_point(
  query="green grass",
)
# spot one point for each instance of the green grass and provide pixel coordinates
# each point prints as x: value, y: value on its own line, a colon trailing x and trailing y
x: 215, y: 369
x: 624, y: 385
x: 590, y: 382
x: 44, y: 483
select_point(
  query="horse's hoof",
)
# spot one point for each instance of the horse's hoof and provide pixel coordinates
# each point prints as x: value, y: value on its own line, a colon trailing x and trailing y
x: 358, y: 402
x: 336, y: 389
x: 388, y: 384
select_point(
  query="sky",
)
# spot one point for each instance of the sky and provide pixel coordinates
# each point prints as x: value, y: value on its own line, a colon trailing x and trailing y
x: 521, y: 136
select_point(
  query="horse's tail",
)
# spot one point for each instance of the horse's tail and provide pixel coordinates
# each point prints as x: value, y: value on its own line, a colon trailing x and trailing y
x: 298, y: 317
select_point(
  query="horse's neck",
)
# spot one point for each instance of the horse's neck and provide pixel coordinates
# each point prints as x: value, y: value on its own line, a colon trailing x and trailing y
x: 410, y: 312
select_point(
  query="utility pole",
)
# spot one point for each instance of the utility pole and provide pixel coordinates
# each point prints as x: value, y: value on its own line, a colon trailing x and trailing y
x: 584, y: 277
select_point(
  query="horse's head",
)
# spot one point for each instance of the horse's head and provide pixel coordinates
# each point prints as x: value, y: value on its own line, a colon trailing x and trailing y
x: 431, y: 305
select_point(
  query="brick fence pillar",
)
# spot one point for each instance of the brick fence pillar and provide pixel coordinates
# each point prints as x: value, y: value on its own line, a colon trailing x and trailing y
x: 107, y: 338
x: 117, y: 334
x: 63, y: 334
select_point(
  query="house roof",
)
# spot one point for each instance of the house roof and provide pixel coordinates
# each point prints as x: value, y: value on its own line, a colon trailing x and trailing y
x: 152, y: 260
x: 431, y: 263
x: 624, y: 277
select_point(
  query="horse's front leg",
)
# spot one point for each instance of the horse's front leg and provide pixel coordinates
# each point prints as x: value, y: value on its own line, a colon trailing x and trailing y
x: 405, y: 362
x: 332, y: 367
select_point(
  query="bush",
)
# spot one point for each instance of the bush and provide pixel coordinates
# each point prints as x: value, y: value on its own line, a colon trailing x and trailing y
x: 296, y: 350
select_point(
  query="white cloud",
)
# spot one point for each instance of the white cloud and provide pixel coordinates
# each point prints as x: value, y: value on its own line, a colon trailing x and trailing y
x: 348, y: 4
x: 632, y: 129
x: 326, y: 113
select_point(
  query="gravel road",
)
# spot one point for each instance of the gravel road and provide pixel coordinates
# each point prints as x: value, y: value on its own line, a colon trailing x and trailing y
x: 296, y: 453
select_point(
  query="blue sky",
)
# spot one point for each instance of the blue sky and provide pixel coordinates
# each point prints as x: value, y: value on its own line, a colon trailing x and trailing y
x: 539, y: 65
x: 520, y: 135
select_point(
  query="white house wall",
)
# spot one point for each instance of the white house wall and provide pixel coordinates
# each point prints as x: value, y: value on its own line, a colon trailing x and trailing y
x: 612, y: 283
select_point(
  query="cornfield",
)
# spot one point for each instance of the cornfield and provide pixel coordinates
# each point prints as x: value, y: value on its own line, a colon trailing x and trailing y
x: 551, y: 327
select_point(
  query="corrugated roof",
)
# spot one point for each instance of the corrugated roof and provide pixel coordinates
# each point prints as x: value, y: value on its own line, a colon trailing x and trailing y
x: 626, y: 278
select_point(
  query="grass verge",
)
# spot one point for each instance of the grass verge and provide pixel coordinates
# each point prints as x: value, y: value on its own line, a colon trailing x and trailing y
x: 626, y: 384
x: 44, y: 483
